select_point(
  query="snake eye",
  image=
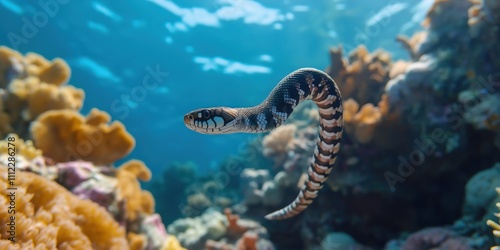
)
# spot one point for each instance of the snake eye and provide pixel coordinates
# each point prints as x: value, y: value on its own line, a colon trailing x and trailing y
x: 205, y: 113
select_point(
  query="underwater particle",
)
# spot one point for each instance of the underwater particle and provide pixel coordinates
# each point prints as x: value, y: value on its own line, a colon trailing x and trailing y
x: 278, y: 26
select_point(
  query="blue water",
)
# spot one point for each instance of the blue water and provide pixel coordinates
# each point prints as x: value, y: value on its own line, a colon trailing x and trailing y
x: 206, y: 53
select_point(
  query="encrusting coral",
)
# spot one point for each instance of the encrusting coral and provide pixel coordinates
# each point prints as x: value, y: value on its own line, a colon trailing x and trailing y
x: 48, y: 216
x: 65, y: 135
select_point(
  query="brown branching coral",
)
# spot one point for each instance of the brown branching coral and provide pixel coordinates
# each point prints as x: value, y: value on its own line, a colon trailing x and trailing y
x: 412, y: 45
x: 65, y: 135
x: 136, y: 200
x: 48, y: 216
x: 362, y: 76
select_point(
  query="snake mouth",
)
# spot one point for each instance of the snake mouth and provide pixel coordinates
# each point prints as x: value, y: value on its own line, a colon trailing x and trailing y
x: 211, y: 120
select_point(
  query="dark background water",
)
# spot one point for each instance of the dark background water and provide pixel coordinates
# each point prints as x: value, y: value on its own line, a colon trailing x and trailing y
x: 112, y: 46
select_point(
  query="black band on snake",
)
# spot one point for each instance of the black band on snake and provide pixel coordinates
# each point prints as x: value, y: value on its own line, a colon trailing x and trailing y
x: 300, y: 85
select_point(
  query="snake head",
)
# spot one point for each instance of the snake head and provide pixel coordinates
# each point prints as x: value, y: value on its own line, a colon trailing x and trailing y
x: 212, y: 120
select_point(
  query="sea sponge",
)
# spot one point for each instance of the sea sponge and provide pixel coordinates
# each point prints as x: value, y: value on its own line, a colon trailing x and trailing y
x: 65, y: 135
x: 48, y: 216
x: 136, y: 200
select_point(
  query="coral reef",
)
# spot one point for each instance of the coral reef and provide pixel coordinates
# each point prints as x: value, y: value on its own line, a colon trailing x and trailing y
x: 93, y: 205
x: 33, y: 85
x: 362, y: 76
x: 87, y: 138
x: 136, y: 200
x: 213, y: 230
x: 47, y: 215
x: 116, y: 190
x: 432, y: 119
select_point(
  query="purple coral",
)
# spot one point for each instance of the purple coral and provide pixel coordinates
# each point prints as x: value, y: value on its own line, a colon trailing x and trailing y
x: 73, y: 173
x: 435, y: 238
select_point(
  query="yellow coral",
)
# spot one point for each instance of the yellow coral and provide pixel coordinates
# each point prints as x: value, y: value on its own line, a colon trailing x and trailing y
x: 494, y: 225
x: 66, y: 135
x: 47, y: 216
x: 172, y: 243
x: 351, y: 107
x: 136, y: 200
x: 136, y: 241
x: 24, y: 148
x: 51, y: 97
x: 58, y: 72
x: 6, y: 57
x: 32, y: 86
x: 366, y: 121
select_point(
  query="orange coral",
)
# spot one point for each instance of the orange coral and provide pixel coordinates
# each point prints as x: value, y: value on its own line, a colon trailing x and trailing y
x: 65, y: 135
x: 49, y: 217
x: 234, y: 228
x: 351, y: 107
x: 362, y: 76
x: 136, y: 200
x: 136, y: 241
x: 248, y: 241
x: 172, y: 243
x: 366, y: 121
x: 33, y: 85
x: 58, y: 72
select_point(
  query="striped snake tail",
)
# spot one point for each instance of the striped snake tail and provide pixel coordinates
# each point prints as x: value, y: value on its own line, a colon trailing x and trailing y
x: 302, y: 84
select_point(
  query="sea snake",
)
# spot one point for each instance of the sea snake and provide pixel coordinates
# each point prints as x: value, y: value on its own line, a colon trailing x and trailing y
x: 302, y: 84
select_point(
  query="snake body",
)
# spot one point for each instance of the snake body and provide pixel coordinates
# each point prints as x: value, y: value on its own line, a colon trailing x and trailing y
x: 300, y: 85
